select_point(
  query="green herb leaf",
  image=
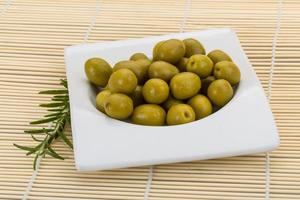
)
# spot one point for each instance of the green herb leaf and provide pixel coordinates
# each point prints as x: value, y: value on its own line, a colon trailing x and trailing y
x: 60, y: 97
x: 46, y: 120
x: 54, y: 110
x: 65, y: 139
x: 54, y: 92
x: 35, y: 139
x: 51, y: 105
x: 53, y: 114
x: 35, y: 161
x: 58, y: 117
x: 37, y: 131
x: 24, y: 147
x: 52, y: 153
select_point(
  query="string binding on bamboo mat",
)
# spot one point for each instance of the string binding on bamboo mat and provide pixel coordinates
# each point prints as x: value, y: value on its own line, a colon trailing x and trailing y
x: 5, y: 8
x: 86, y: 37
x: 34, y: 174
x: 274, y: 45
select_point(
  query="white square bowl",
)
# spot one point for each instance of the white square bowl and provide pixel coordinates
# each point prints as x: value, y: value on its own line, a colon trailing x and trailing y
x: 244, y: 126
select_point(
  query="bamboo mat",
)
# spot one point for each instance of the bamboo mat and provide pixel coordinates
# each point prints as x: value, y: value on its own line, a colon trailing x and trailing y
x: 33, y: 35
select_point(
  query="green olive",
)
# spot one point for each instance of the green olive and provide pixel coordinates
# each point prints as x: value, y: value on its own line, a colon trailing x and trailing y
x: 137, y: 96
x: 218, y: 55
x: 123, y: 81
x: 138, y: 56
x: 205, y: 83
x: 201, y: 106
x: 155, y: 91
x: 180, y: 114
x: 185, y: 85
x: 144, y: 65
x: 181, y: 65
x: 154, y: 52
x: 100, y: 99
x: 171, y: 51
x: 97, y: 71
x: 193, y: 47
x: 162, y: 70
x: 149, y: 114
x: 200, y: 65
x: 220, y: 92
x: 137, y: 67
x: 227, y: 70
x: 171, y: 101
x: 118, y: 106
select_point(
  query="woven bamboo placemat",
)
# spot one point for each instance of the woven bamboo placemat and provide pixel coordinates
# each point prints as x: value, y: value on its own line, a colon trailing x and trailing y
x: 33, y: 35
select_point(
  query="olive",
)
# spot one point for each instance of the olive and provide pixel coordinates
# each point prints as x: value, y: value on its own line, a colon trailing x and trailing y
x: 118, y: 106
x: 144, y: 65
x: 205, y: 83
x: 162, y: 70
x: 138, y: 56
x: 154, y: 52
x: 138, y: 68
x: 97, y: 71
x: 201, y: 106
x: 171, y: 51
x: 100, y: 99
x: 181, y: 65
x: 220, y: 92
x: 180, y: 114
x: 137, y: 96
x: 193, y: 47
x: 149, y: 114
x: 171, y: 101
x: 200, y: 65
x: 123, y: 81
x: 218, y: 55
x: 185, y: 85
x: 227, y: 70
x: 155, y: 91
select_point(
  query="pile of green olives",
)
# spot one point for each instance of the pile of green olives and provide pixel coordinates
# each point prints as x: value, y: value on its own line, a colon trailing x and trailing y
x: 180, y: 84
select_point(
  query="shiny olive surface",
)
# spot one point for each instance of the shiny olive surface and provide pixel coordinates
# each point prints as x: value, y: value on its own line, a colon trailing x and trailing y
x: 180, y: 114
x: 123, y: 81
x: 100, y: 99
x: 138, y: 56
x: 155, y: 91
x: 201, y: 106
x: 118, y: 106
x: 171, y: 51
x: 137, y: 67
x: 185, y: 85
x: 193, y: 47
x: 218, y: 55
x: 227, y: 70
x: 149, y: 114
x: 162, y: 70
x: 200, y: 65
x: 220, y: 92
x: 97, y: 71
x: 155, y: 52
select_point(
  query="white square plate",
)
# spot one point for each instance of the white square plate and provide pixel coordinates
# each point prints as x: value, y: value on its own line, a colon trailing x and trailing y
x: 244, y: 126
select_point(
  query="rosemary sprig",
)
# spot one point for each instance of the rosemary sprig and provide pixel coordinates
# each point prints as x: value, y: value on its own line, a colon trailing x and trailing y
x: 57, y: 118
